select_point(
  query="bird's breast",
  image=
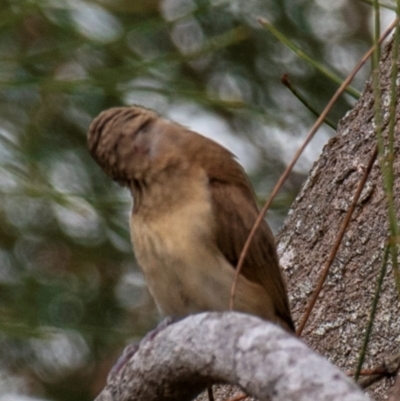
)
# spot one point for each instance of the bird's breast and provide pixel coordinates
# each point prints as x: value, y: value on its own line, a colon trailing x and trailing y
x: 172, y: 246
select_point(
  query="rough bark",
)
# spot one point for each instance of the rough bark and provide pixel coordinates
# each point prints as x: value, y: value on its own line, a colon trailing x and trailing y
x: 337, y: 324
x: 266, y: 361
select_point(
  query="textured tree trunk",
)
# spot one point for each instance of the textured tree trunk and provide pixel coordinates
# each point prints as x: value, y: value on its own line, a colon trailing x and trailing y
x: 338, y: 322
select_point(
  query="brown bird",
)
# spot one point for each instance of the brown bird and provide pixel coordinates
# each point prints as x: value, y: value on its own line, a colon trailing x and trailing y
x: 193, y: 210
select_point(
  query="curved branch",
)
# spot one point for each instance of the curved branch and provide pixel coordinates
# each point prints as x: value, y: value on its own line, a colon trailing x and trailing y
x: 264, y: 360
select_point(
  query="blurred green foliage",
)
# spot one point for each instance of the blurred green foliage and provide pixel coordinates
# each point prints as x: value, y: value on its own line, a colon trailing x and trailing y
x: 71, y: 294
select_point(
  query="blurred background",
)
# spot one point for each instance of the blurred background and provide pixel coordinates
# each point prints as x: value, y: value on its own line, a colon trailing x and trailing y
x: 71, y: 293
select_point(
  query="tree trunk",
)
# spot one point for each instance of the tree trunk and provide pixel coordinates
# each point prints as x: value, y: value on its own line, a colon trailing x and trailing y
x: 337, y: 324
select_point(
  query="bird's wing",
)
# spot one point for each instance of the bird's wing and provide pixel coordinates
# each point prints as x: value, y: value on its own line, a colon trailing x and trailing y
x: 235, y: 215
x: 235, y: 211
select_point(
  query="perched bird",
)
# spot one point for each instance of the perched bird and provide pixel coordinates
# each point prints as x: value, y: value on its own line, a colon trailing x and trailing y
x: 193, y: 210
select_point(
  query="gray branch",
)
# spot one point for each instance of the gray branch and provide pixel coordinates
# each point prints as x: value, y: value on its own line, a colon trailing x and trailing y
x: 264, y: 360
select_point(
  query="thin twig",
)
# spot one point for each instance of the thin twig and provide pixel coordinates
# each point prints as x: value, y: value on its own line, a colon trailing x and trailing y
x: 377, y: 29
x: 370, y: 324
x: 338, y: 241
x: 304, y: 56
x: 380, y: 370
x: 285, y: 80
x: 388, y: 6
x: 386, y: 164
x: 394, y: 229
x: 289, y: 168
x: 389, y: 368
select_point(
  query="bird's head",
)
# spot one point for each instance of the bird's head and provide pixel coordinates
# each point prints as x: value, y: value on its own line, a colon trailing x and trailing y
x: 125, y: 142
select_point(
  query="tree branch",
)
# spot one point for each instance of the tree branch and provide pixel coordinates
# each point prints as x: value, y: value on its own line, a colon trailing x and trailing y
x: 264, y: 360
